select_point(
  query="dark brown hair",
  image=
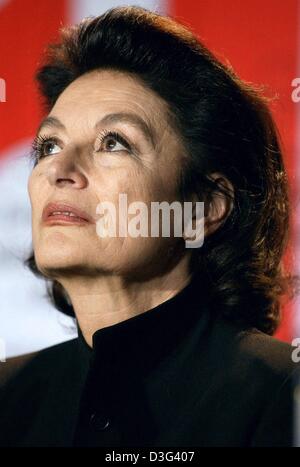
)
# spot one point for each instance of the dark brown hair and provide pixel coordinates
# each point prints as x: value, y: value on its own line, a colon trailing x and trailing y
x: 225, y: 125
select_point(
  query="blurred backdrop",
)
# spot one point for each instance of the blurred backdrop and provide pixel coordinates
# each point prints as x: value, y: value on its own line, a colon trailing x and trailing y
x: 260, y: 40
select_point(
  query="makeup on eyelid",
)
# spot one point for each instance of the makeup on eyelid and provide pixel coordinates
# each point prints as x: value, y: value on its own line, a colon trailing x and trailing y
x: 40, y: 143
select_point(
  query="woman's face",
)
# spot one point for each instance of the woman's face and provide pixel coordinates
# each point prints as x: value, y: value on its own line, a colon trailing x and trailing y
x: 108, y: 134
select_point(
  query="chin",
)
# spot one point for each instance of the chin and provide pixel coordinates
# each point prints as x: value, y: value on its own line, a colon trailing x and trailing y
x: 58, y: 236
x: 58, y: 257
x: 52, y: 267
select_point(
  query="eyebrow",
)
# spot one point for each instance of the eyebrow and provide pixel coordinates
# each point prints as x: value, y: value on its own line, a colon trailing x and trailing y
x: 52, y: 122
x: 123, y: 117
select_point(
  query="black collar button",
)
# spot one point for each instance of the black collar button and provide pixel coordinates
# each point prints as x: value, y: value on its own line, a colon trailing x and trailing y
x: 99, y: 421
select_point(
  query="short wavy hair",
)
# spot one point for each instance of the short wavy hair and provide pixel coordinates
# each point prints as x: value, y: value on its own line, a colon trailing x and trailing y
x: 225, y: 125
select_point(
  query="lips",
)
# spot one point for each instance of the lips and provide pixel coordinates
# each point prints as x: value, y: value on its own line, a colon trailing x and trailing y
x: 66, y: 213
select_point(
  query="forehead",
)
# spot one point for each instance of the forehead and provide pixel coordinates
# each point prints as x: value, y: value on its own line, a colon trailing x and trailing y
x: 102, y: 90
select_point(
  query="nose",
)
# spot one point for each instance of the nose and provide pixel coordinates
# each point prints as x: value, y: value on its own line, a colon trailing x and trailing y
x: 65, y: 171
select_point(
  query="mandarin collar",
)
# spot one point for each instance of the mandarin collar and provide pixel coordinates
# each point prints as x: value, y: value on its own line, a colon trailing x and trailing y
x: 142, y: 342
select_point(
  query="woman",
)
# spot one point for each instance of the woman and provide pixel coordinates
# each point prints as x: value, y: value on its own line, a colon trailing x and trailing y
x: 174, y: 344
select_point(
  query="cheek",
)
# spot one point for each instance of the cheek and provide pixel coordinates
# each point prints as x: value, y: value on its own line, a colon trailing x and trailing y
x: 36, y: 186
x: 146, y: 182
x: 30, y: 187
x: 138, y: 185
x: 109, y: 183
x: 38, y: 194
x: 34, y: 194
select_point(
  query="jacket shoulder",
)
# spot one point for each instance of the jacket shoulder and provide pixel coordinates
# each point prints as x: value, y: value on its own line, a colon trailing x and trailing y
x: 268, y: 352
x: 252, y: 354
x: 277, y: 375
x: 40, y: 363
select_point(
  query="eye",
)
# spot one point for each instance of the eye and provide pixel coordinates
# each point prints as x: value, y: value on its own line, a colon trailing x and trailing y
x: 44, y: 146
x: 111, y: 141
x: 107, y: 141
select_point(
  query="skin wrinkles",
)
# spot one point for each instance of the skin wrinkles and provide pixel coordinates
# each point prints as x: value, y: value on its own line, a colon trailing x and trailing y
x: 108, y: 279
x: 131, y: 118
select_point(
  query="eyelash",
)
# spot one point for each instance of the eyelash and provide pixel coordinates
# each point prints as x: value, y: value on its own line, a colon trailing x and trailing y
x: 40, y: 141
x: 115, y: 135
x: 37, y: 147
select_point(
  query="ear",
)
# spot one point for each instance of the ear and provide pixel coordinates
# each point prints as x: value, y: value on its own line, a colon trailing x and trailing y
x: 218, y: 206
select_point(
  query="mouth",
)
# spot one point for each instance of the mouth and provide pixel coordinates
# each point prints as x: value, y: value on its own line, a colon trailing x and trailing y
x: 65, y: 214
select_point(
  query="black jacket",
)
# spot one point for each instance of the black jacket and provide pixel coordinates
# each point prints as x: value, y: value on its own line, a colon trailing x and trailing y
x: 172, y: 376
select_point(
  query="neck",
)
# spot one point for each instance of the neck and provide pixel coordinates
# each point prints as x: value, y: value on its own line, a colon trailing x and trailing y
x: 105, y: 300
